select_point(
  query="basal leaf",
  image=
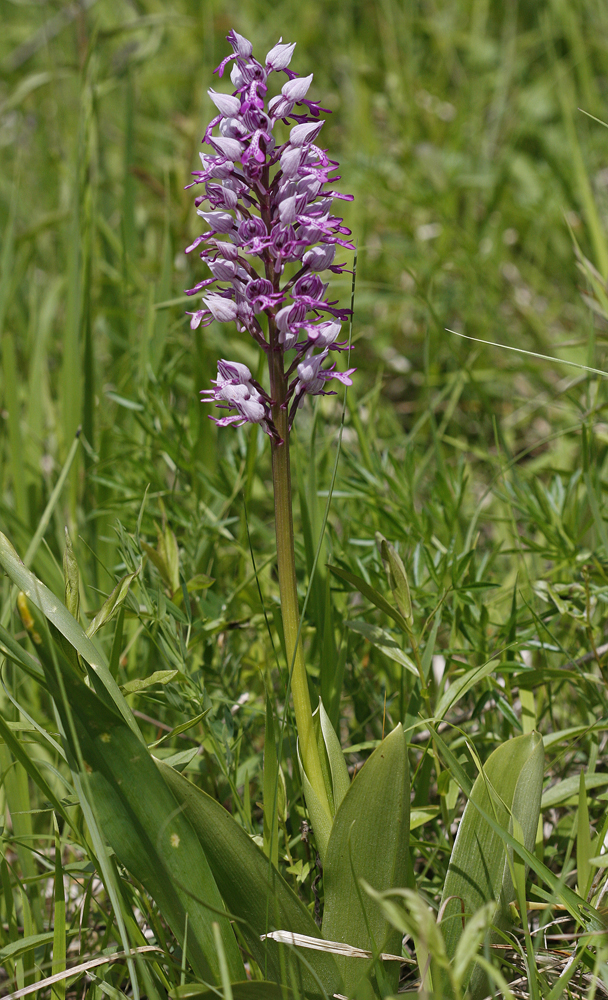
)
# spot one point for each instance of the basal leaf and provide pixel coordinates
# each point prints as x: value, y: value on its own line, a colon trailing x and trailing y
x: 253, y: 890
x: 369, y: 839
x: 479, y: 871
x: 146, y: 828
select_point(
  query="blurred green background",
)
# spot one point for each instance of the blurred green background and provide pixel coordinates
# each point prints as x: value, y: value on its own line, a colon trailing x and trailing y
x: 458, y: 131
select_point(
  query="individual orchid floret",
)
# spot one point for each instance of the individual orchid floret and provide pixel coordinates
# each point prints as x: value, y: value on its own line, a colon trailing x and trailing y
x: 235, y: 388
x: 272, y: 232
x: 279, y: 56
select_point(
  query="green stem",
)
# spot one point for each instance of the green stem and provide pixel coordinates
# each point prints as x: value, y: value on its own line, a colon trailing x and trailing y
x: 281, y: 477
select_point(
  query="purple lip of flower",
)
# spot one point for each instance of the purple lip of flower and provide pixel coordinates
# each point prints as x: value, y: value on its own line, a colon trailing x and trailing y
x: 269, y: 205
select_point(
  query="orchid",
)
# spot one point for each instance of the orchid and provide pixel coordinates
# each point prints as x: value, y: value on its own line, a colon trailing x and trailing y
x: 272, y: 233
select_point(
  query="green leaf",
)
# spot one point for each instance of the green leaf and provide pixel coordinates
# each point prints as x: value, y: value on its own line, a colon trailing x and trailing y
x: 320, y: 820
x: 372, y: 595
x: 384, y: 641
x: 271, y: 790
x: 568, y: 789
x: 508, y: 788
x: 252, y: 889
x: 470, y: 941
x: 340, y: 778
x: 455, y: 768
x: 459, y: 688
x: 166, y: 558
x: 26, y: 944
x: 111, y: 606
x: 158, y: 677
x: 250, y: 990
x: 369, y: 839
x: 65, y: 623
x: 335, y: 776
x: 59, y: 928
x: 19, y: 753
x: 15, y: 652
x: 413, y: 916
x: 146, y: 828
x: 180, y: 758
x: 583, y: 841
x: 421, y: 815
x: 183, y: 728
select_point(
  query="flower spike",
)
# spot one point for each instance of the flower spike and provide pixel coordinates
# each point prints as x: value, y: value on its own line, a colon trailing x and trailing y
x: 269, y: 208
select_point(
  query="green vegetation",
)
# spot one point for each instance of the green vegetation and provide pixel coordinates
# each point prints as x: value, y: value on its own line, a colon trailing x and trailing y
x: 481, y: 207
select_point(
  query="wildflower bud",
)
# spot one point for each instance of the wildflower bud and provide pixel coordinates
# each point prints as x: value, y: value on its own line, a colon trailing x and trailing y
x: 220, y: 222
x: 234, y: 371
x: 223, y: 310
x: 397, y: 577
x: 226, y: 104
x: 279, y: 56
x: 319, y: 258
x: 295, y: 90
x: 242, y: 46
x: 230, y: 148
x: 307, y: 132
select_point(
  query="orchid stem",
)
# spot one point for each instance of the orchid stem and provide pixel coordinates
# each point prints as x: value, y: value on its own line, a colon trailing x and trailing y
x: 281, y: 477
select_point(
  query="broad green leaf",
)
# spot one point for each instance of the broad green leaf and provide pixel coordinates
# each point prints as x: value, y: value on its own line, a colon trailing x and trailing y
x: 369, y: 839
x: 384, y: 641
x: 509, y: 786
x: 251, y: 887
x: 65, y: 623
x: 111, y: 606
x: 146, y: 828
x: 372, y: 595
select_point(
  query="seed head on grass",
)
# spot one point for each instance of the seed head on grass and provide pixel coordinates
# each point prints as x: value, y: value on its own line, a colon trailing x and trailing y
x: 269, y: 205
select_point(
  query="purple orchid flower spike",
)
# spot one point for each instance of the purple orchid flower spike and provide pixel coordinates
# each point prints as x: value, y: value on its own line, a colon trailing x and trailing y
x: 272, y: 232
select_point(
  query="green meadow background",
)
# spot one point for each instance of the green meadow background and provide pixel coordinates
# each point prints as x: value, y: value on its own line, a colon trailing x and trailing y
x: 470, y: 133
